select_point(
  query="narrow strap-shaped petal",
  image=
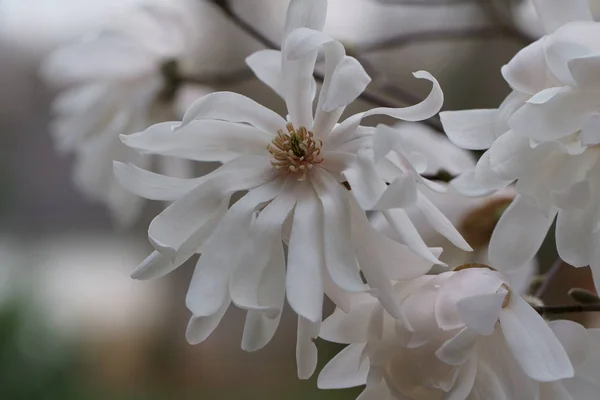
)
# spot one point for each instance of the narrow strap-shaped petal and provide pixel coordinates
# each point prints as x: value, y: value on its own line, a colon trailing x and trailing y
x: 306, y: 350
x: 574, y: 246
x: 266, y: 65
x: 457, y: 350
x: 200, y: 328
x: 528, y: 72
x: 347, y: 369
x: 262, y: 247
x: 480, y: 313
x: 306, y: 257
x: 233, y: 107
x: 203, y: 140
x: 464, y: 381
x: 150, y: 185
x: 533, y: 344
x: 222, y: 252
x: 351, y: 327
x: 305, y: 14
x: 339, y: 254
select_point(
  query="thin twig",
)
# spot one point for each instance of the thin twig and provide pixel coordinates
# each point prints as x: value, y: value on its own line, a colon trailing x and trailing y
x: 549, y: 277
x: 473, y: 34
x: 570, y: 308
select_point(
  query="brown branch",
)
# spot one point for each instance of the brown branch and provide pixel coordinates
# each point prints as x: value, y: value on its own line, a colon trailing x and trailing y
x: 474, y: 34
x: 569, y: 308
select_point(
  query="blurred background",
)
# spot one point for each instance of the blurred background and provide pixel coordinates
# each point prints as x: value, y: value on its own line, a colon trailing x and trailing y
x: 73, y: 325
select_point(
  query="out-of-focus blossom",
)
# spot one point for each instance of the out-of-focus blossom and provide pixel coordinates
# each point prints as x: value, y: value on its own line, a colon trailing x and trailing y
x: 113, y: 84
x: 544, y: 136
x: 293, y: 172
x: 463, y: 335
x: 527, y: 18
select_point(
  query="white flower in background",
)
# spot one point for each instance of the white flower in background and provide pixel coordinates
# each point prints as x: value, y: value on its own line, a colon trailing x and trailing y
x: 544, y: 136
x: 112, y: 83
x: 463, y: 335
x: 526, y: 15
x: 293, y: 172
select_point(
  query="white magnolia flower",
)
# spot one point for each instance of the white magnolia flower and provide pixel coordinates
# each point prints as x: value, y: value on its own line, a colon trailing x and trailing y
x: 292, y: 171
x: 463, y: 335
x: 544, y: 136
x: 112, y: 83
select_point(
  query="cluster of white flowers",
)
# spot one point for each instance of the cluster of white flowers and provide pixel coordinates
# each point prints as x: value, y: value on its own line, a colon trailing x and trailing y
x: 309, y: 206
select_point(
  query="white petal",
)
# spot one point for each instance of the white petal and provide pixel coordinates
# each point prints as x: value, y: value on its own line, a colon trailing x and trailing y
x: 306, y: 350
x: 204, y: 140
x: 262, y: 247
x: 306, y: 258
x: 266, y: 65
x: 172, y: 228
x: 406, y: 232
x: 562, y: 115
x: 590, y: 133
x: 574, y: 338
x: 511, y: 155
x: 150, y: 185
x: 519, y: 233
x: 200, y: 328
x: 457, y: 350
x: 305, y: 13
x: 480, y: 313
x: 348, y: 81
x: 234, y: 107
x: 440, y: 223
x: 347, y: 369
x: 464, y: 381
x: 367, y: 186
x: 339, y: 254
x: 574, y: 240
x: 527, y: 72
x: 556, y: 13
x: 470, y: 129
x: 418, y: 112
x: 222, y: 254
x: 351, y: 327
x: 585, y: 71
x: 577, y: 195
x: 533, y: 344
x: 488, y: 385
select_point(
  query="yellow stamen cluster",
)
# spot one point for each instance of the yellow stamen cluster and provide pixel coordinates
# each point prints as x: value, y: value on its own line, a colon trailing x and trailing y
x: 295, y: 151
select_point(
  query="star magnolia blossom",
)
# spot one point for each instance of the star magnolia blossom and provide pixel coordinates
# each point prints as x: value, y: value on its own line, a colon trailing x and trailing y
x: 463, y: 335
x: 544, y: 136
x: 112, y: 81
x: 293, y: 172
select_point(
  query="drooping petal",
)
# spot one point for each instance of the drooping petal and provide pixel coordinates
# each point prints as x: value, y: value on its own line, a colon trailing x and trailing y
x: 306, y: 350
x: 556, y: 13
x: 533, y: 344
x: 262, y: 246
x: 519, y: 233
x: 510, y: 155
x: 347, y: 369
x: 234, y: 107
x: 339, y: 254
x: 200, y: 328
x: 574, y: 338
x: 266, y: 65
x: 150, y: 185
x: 222, y: 254
x: 470, y: 129
x: 306, y: 258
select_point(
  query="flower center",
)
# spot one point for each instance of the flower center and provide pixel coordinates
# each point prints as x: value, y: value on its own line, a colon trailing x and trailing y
x: 295, y: 151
